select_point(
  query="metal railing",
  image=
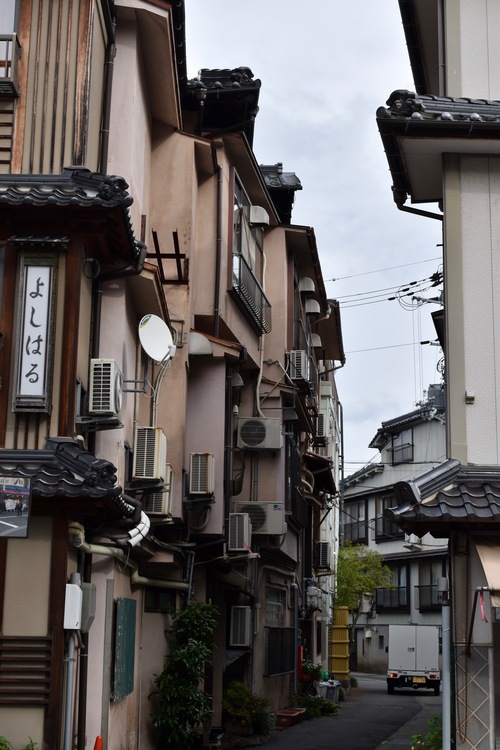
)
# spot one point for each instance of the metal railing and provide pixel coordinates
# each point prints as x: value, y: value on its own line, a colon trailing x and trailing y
x: 392, y: 598
x: 250, y: 294
x: 10, y: 53
x: 428, y: 598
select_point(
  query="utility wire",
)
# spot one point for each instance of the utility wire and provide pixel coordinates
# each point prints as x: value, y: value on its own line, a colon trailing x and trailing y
x: 380, y: 270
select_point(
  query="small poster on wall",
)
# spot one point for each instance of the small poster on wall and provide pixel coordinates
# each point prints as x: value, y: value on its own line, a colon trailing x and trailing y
x: 15, y: 506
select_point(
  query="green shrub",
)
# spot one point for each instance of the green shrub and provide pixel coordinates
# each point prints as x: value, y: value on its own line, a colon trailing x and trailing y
x: 353, y: 682
x: 315, y: 705
x: 247, y: 708
x: 183, y: 707
x: 433, y: 740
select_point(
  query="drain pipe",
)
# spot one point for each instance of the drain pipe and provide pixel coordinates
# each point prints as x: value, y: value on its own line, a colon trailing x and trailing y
x: 442, y: 586
x: 218, y: 254
x: 78, y: 533
x: 295, y: 589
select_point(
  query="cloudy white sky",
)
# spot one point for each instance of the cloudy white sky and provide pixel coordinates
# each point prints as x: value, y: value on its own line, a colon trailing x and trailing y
x: 325, y: 67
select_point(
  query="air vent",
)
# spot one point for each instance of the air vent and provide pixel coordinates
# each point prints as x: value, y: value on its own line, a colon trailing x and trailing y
x: 150, y: 453
x: 257, y: 433
x: 258, y: 216
x: 299, y: 365
x: 266, y: 518
x: 201, y: 474
x: 240, y: 634
x: 160, y: 503
x: 239, y: 532
x: 105, y: 387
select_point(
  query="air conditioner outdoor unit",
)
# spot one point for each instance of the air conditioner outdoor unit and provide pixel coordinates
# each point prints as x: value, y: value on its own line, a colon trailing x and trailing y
x: 105, y: 387
x: 322, y: 424
x: 258, y: 433
x: 239, y: 533
x: 299, y: 365
x: 160, y: 503
x: 240, y: 634
x: 201, y: 474
x: 323, y: 555
x: 266, y: 518
x: 150, y: 453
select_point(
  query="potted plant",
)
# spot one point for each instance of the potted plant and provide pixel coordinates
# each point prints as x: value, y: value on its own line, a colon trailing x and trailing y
x: 311, y: 671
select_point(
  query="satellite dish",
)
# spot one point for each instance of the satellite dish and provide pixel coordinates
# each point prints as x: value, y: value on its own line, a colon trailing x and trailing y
x: 156, y: 339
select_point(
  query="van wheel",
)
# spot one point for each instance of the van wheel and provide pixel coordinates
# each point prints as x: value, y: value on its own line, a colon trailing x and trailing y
x: 436, y: 690
x: 390, y: 689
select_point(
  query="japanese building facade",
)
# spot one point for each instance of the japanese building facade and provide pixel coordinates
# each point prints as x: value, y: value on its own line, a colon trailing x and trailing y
x: 442, y: 147
x: 409, y: 444
x: 170, y: 416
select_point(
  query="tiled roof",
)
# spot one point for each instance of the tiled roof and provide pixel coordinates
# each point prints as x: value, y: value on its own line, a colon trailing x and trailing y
x: 76, y: 187
x: 449, y: 495
x: 62, y: 469
x: 282, y: 187
x: 423, y: 414
x: 226, y: 100
x: 416, y: 129
x: 404, y: 104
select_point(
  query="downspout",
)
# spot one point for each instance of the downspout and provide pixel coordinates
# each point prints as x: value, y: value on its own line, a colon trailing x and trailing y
x: 218, y: 253
x: 78, y: 533
x: 295, y: 589
x: 419, y: 212
x: 86, y: 574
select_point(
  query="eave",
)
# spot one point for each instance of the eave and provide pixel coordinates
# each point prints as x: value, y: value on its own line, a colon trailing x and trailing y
x: 163, y: 54
x: 75, y: 202
x: 66, y: 479
x: 417, y: 131
x: 421, y: 25
x: 449, y: 498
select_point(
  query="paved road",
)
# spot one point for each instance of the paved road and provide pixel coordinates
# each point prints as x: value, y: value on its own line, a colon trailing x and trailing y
x: 368, y: 719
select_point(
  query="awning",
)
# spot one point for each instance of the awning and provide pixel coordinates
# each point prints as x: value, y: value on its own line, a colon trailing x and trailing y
x: 489, y: 554
x: 321, y: 468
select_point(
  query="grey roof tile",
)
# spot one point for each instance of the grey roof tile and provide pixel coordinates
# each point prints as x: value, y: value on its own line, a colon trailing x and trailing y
x: 448, y: 495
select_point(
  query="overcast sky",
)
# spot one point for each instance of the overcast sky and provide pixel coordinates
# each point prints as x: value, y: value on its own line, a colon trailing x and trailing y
x: 325, y: 68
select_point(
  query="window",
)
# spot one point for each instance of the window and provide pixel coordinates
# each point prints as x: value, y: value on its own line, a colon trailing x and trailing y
x: 248, y: 239
x: 385, y: 529
x: 402, y: 447
x: 275, y: 607
x: 428, y: 596
x: 248, y: 263
x: 396, y: 598
x: 354, y: 526
x: 279, y: 639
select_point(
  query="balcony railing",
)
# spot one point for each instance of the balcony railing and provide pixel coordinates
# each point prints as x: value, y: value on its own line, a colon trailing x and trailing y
x: 428, y: 598
x: 250, y: 295
x: 395, y: 599
x: 10, y: 52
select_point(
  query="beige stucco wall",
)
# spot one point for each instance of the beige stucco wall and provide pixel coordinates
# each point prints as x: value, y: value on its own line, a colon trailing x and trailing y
x: 27, y: 570
x: 130, y: 128
x: 472, y: 266
x: 472, y: 53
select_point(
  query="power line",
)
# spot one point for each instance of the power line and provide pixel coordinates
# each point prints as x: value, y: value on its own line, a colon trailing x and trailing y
x: 378, y: 348
x: 380, y: 270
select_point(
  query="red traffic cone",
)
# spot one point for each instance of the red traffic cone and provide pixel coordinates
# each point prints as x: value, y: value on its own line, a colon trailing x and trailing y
x: 98, y: 743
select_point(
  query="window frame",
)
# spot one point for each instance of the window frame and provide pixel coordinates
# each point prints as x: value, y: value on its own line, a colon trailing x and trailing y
x: 401, y: 447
